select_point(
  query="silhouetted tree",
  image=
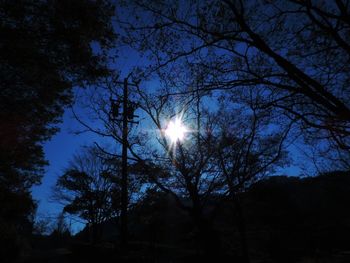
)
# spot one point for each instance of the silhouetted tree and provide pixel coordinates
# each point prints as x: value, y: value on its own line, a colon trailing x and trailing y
x: 16, y: 213
x: 248, y: 150
x: 86, y: 189
x: 60, y: 227
x: 101, y: 108
x: 295, y: 52
x: 186, y: 170
x: 61, y: 232
x: 46, y: 48
x: 219, y: 156
x: 42, y: 226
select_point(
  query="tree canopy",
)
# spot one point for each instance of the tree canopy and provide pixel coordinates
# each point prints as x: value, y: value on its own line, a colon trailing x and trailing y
x: 296, y: 53
x: 46, y: 48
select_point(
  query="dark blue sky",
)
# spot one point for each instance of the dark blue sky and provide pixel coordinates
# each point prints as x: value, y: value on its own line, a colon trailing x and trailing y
x: 63, y: 145
x: 60, y: 149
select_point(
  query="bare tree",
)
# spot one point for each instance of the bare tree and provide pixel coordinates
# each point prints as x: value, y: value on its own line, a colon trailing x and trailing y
x: 184, y: 167
x: 248, y: 150
x: 86, y: 189
x: 219, y: 156
x: 60, y: 227
x: 295, y: 52
x: 42, y: 226
x: 107, y: 112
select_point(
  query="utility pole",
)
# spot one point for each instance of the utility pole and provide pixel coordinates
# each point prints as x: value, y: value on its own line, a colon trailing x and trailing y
x: 127, y: 115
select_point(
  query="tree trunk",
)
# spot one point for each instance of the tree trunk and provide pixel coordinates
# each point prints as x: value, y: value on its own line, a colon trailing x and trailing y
x: 241, y: 225
x: 94, y: 234
x: 208, y: 238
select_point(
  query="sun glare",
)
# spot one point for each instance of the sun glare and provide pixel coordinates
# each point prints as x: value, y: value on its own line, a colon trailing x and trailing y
x: 175, y: 130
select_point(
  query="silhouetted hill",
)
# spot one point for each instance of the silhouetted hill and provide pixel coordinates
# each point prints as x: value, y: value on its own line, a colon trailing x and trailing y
x: 286, y: 218
x: 299, y: 217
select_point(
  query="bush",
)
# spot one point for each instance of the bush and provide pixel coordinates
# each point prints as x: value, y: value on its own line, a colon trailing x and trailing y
x: 10, y: 246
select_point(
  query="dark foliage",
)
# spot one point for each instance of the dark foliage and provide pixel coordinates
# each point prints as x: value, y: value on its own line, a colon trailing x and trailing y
x: 295, y: 53
x: 46, y: 48
x: 86, y: 189
x: 288, y: 219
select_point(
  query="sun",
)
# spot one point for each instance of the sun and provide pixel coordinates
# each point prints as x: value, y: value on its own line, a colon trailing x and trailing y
x: 176, y: 130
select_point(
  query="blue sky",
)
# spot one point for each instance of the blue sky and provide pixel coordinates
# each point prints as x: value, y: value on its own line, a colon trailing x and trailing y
x: 65, y: 143
x: 59, y: 151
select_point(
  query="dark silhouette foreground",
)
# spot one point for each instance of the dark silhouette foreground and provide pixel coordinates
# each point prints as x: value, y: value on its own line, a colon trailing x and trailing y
x: 287, y: 219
